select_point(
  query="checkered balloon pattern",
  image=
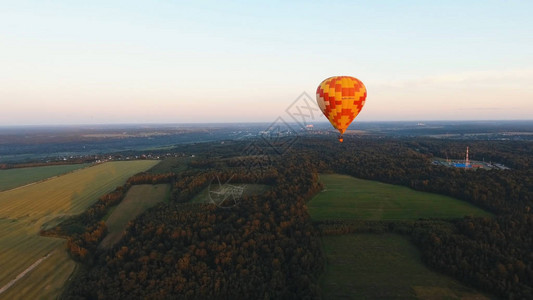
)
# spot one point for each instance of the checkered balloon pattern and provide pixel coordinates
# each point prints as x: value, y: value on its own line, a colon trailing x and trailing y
x: 341, y: 98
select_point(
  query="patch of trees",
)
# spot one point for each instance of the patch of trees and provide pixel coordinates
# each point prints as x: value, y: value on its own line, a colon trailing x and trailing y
x: 150, y: 178
x: 265, y: 247
x: 85, y: 231
x: 492, y: 254
x: 82, y: 246
x: 89, y: 217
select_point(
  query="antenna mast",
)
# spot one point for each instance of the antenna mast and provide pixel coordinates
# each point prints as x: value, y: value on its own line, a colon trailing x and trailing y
x: 467, y: 161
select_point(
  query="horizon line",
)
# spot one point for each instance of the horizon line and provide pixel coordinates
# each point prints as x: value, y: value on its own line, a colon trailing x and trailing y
x: 259, y: 122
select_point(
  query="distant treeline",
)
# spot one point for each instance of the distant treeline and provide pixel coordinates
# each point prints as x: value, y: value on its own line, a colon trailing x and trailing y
x: 43, y: 164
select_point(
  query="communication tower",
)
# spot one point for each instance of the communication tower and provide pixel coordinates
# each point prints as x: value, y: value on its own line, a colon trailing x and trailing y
x: 467, y: 161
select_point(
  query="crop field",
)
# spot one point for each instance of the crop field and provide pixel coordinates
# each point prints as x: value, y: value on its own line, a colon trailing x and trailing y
x: 138, y: 199
x: 383, y: 266
x: 36, y: 286
x: 25, y: 210
x: 13, y: 178
x: 248, y: 189
x: 346, y: 197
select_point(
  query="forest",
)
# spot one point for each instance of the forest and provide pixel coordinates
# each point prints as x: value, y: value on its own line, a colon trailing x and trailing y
x: 491, y: 254
x: 267, y: 246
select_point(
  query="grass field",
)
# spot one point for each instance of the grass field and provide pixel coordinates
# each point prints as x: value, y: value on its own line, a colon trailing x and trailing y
x: 347, y: 197
x: 171, y: 164
x: 138, y: 199
x: 249, y: 190
x: 13, y: 178
x: 24, y: 210
x: 386, y: 266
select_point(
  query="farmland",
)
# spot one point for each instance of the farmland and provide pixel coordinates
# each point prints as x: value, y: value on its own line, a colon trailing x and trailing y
x: 13, y: 178
x: 138, y: 199
x: 25, y: 210
x: 345, y: 197
x: 383, y: 266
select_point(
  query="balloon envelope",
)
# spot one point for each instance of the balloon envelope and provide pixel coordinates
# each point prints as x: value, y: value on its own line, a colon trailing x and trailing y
x: 341, y: 98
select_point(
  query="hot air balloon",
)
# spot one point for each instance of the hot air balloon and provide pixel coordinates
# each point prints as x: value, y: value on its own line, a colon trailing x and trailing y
x: 341, y: 98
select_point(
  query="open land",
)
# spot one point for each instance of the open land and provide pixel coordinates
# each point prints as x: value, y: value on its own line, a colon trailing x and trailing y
x: 171, y: 164
x: 383, y: 266
x: 13, y: 178
x: 216, y: 191
x: 347, y: 198
x: 24, y: 211
x: 138, y: 199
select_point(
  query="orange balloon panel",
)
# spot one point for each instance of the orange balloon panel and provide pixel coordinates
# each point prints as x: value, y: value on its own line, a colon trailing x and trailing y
x: 341, y: 98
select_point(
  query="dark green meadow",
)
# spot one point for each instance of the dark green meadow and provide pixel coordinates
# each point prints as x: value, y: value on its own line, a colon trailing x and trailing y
x: 383, y: 266
x: 347, y: 198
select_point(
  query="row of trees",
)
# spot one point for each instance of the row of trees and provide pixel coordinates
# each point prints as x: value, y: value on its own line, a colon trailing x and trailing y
x: 5, y: 166
x: 85, y: 231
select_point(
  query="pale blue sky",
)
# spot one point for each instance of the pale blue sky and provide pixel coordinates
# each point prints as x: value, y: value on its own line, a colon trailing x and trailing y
x: 72, y: 62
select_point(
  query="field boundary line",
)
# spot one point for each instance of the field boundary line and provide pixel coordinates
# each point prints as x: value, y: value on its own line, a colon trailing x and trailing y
x: 29, y: 269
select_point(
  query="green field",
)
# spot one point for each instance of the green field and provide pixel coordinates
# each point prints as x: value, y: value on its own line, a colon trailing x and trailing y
x: 383, y: 266
x: 171, y: 164
x: 250, y: 189
x: 13, y: 178
x: 346, y: 197
x: 25, y: 210
x: 138, y: 199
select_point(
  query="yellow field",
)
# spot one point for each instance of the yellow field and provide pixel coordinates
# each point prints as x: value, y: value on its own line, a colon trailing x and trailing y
x: 22, y: 213
x: 36, y: 286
